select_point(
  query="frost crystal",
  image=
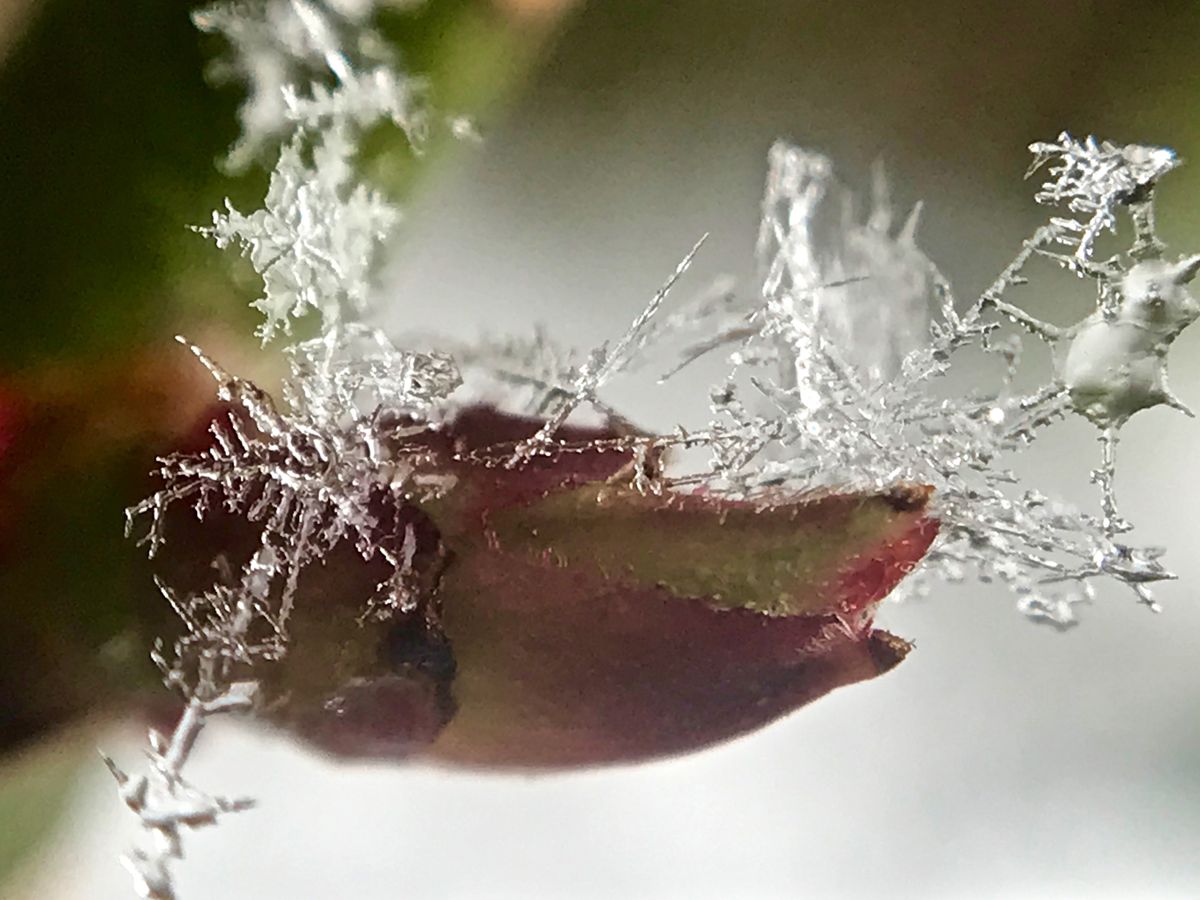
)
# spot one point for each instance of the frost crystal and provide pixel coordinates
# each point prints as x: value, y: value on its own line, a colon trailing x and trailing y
x: 227, y: 630
x: 1093, y: 179
x: 277, y: 45
x: 315, y: 238
x: 339, y: 460
x: 528, y: 374
x: 601, y: 366
x: 319, y: 471
x: 825, y: 267
x: 362, y: 99
x: 842, y: 395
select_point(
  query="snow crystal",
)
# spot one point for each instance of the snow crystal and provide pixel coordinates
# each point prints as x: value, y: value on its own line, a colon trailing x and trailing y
x: 837, y: 364
x: 314, y: 240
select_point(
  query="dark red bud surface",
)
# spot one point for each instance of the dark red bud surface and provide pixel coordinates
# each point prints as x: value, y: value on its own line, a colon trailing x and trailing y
x: 576, y: 622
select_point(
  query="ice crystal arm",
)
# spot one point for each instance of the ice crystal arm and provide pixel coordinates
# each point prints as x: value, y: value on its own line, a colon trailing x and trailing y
x: 362, y: 99
x: 1093, y: 179
x: 526, y: 374
x: 226, y: 632
x: 869, y: 291
x: 603, y: 364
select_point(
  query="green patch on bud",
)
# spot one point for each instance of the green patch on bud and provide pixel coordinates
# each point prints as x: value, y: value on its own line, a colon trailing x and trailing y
x: 779, y: 560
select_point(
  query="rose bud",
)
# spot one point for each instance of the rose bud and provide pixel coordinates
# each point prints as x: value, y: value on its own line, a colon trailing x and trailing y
x: 569, y: 620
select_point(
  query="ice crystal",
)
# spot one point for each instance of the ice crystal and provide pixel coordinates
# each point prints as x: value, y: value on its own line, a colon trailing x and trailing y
x: 362, y: 99
x: 167, y: 804
x: 599, y: 367
x: 277, y: 46
x: 337, y: 462
x: 1093, y: 178
x: 314, y: 240
x: 341, y: 457
x: 351, y: 375
x: 317, y: 471
x: 841, y: 396
x: 226, y: 631
x: 321, y: 471
x: 526, y: 374
x: 835, y: 272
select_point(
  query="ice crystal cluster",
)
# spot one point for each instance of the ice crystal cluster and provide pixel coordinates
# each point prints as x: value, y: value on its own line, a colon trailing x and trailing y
x: 307, y: 473
x: 837, y: 368
x: 836, y: 380
x: 286, y: 51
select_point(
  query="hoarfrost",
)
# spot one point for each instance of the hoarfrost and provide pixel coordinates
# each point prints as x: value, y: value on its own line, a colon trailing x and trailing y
x: 317, y: 471
x: 278, y: 45
x: 1094, y: 178
x: 600, y: 366
x: 334, y: 465
x: 362, y: 99
x: 526, y: 373
x: 339, y: 460
x: 314, y: 240
x: 836, y: 370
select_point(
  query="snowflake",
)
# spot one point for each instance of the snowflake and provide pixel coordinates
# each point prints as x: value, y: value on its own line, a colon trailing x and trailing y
x: 314, y: 241
x: 316, y: 472
x: 356, y: 368
x: 277, y: 44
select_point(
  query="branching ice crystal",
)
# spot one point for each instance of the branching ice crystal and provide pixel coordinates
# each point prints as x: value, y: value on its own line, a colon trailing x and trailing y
x: 832, y: 269
x: 310, y: 476
x: 528, y: 373
x: 314, y: 240
x: 846, y: 399
x: 227, y: 630
x: 337, y: 462
x: 600, y: 367
x: 1093, y: 179
x: 313, y: 474
x: 363, y: 99
x: 278, y: 45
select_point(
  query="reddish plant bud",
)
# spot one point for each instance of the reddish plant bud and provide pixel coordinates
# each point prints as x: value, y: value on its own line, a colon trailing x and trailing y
x: 79, y: 608
x: 577, y: 622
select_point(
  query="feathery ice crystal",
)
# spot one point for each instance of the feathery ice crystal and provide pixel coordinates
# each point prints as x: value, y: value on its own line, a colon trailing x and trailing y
x: 314, y: 240
x: 309, y: 475
x: 843, y: 350
x: 284, y: 49
x: 835, y: 368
